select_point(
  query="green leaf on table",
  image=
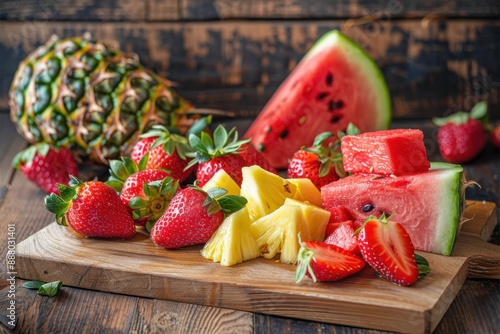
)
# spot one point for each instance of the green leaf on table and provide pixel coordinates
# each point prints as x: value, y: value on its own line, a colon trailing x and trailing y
x: 33, y: 285
x: 44, y: 288
x: 50, y: 289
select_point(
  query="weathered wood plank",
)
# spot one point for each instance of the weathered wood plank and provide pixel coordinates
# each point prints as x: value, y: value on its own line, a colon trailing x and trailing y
x: 431, y: 66
x: 74, y: 10
x: 326, y: 9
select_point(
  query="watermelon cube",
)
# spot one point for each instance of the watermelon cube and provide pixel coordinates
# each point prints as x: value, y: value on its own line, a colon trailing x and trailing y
x: 429, y: 204
x: 387, y: 152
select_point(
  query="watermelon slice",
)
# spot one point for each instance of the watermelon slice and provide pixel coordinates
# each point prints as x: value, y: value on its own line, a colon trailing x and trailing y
x: 335, y: 83
x: 429, y: 205
x: 386, y: 152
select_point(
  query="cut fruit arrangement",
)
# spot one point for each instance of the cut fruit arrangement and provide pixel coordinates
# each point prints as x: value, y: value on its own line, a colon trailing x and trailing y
x: 356, y: 193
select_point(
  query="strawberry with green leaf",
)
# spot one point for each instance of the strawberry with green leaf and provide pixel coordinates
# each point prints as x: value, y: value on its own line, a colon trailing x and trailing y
x: 386, y: 247
x: 193, y: 216
x: 46, y: 166
x: 145, y: 192
x: 321, y: 163
x: 462, y: 136
x: 324, y: 262
x: 165, y: 149
x: 92, y: 209
x: 220, y: 151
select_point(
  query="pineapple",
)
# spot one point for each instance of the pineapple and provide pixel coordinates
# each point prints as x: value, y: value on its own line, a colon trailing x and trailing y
x: 278, y: 231
x: 264, y: 191
x: 221, y: 179
x: 307, y: 191
x: 82, y: 94
x: 232, y: 243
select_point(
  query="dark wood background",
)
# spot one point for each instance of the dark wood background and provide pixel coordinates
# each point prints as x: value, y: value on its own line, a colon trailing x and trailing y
x: 436, y: 56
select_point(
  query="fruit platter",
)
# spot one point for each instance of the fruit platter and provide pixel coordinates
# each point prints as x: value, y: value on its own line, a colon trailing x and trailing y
x: 320, y: 210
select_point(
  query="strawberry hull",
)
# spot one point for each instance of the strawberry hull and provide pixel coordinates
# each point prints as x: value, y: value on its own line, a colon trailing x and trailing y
x: 428, y: 204
x: 335, y: 83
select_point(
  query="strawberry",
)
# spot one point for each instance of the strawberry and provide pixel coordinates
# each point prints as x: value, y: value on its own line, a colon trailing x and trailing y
x: 343, y: 235
x: 46, y: 166
x: 218, y: 152
x: 92, y: 209
x: 253, y: 157
x: 321, y: 163
x: 495, y: 136
x: 146, y: 193
x: 386, y: 247
x: 323, y: 262
x: 193, y: 216
x: 162, y: 148
x: 461, y: 136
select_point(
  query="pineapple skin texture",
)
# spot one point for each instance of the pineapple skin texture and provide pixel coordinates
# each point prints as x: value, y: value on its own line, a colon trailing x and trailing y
x: 96, y: 100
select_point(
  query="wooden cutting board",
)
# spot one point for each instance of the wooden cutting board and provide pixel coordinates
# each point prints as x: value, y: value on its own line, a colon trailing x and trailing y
x: 137, y: 267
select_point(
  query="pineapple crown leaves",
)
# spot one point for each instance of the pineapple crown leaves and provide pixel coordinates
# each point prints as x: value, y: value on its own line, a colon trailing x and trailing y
x: 330, y: 154
x: 218, y: 200
x: 304, y: 258
x: 59, y: 205
x: 206, y: 147
x: 479, y: 111
x: 27, y: 155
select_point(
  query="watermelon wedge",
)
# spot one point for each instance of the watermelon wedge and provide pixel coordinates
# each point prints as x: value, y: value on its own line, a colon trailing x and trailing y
x: 335, y: 83
x: 386, y: 152
x: 429, y: 205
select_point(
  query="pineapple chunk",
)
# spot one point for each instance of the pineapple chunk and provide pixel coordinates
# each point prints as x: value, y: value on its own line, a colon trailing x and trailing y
x: 232, y: 243
x: 307, y: 191
x: 264, y: 191
x: 222, y: 179
x: 278, y: 231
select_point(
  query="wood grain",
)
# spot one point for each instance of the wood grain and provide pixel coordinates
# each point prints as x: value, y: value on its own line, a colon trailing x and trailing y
x: 432, y: 67
x: 137, y: 267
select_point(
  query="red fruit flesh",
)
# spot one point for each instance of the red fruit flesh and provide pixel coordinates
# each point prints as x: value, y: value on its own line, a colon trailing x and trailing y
x: 460, y: 143
x: 99, y: 212
x: 387, y: 152
x: 388, y: 249
x: 495, y: 136
x: 185, y: 221
x: 328, y: 262
x: 343, y: 235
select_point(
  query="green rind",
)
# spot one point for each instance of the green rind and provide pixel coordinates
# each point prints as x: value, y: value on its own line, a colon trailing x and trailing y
x: 335, y: 38
x: 451, y: 204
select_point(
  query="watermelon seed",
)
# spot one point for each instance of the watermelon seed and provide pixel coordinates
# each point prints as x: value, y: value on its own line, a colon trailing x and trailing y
x: 367, y: 207
x: 261, y: 147
x: 335, y: 105
x: 283, y: 134
x: 329, y: 79
x: 321, y: 96
x: 335, y: 119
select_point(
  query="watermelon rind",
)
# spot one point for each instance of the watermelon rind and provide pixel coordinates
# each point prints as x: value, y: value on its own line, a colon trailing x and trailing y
x: 358, y: 56
x: 452, y: 205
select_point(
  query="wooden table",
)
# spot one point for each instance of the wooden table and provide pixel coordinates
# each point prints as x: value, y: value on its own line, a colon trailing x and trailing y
x: 474, y: 310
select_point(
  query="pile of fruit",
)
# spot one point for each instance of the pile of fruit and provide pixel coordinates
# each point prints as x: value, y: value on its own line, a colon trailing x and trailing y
x: 354, y: 192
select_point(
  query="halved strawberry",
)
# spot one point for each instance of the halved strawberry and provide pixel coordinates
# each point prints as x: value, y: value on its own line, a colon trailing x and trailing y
x: 323, y: 262
x: 386, y: 247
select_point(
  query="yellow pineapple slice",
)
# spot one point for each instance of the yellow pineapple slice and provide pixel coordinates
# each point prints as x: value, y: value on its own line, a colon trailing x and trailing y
x: 222, y: 179
x: 232, y: 243
x: 278, y: 231
x: 264, y: 191
x: 307, y: 191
